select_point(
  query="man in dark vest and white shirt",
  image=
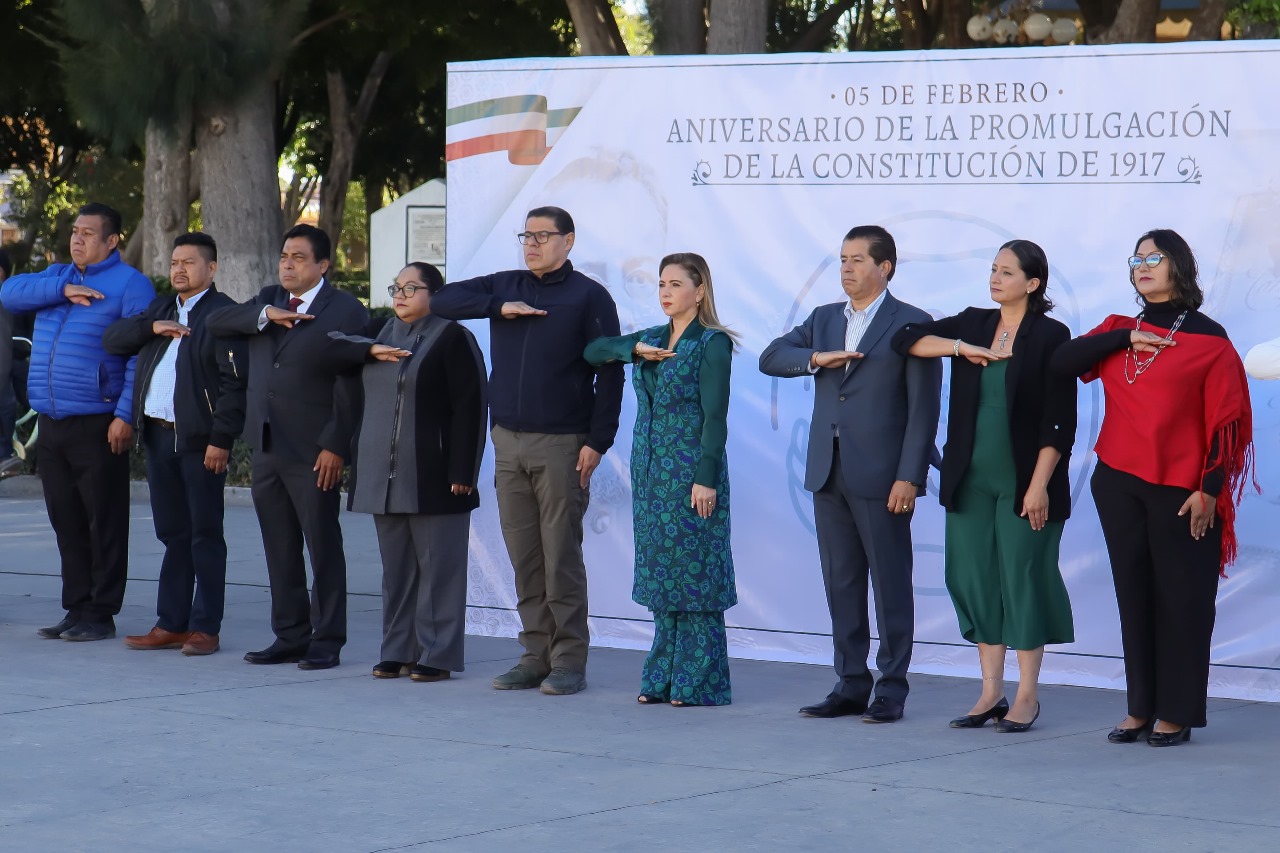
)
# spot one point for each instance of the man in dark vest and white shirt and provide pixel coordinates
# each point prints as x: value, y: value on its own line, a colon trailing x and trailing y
x: 188, y: 408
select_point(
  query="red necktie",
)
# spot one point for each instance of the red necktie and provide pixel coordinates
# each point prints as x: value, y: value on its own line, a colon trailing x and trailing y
x: 294, y: 302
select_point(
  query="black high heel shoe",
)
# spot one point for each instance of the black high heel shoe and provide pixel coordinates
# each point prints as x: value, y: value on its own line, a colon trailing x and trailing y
x: 977, y: 721
x: 1119, y: 735
x: 1007, y: 726
x: 1156, y: 738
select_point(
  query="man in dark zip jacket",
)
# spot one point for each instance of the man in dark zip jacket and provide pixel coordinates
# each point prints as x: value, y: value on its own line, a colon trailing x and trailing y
x: 554, y: 416
x: 188, y: 408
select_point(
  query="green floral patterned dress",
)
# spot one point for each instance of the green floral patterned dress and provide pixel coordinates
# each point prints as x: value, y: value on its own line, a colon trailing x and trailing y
x: 683, y: 563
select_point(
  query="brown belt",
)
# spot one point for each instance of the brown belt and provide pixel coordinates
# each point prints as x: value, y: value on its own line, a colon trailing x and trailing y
x: 160, y: 422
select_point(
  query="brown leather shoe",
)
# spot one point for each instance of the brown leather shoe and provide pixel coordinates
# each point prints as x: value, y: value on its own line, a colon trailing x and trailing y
x: 157, y: 638
x: 200, y: 643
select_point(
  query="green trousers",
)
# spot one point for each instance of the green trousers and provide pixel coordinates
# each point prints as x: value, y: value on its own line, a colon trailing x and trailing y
x: 689, y: 661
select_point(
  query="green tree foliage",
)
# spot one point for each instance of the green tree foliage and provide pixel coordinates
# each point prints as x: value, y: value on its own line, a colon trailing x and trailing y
x: 402, y: 144
x: 99, y: 175
x: 39, y: 136
x: 1256, y: 18
x: 124, y: 68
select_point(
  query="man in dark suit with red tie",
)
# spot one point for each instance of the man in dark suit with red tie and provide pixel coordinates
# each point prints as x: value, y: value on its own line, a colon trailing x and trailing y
x: 299, y: 422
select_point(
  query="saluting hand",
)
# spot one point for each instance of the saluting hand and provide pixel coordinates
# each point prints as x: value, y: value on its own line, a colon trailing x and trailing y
x: 384, y: 352
x: 511, y: 310
x: 651, y: 353
x: 981, y: 355
x: 1149, y: 341
x: 836, y: 358
x: 286, y: 318
x: 169, y: 329
x: 81, y: 295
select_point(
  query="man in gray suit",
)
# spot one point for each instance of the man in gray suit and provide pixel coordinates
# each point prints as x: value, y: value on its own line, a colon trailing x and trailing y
x: 875, y: 416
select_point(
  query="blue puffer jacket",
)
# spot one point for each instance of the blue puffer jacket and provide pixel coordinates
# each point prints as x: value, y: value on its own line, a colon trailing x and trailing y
x: 71, y: 374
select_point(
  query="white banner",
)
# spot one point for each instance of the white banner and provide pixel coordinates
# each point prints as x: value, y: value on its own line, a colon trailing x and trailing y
x: 762, y: 163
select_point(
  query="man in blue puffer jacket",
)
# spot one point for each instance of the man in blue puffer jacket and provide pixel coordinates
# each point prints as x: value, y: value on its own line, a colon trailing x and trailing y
x: 85, y: 400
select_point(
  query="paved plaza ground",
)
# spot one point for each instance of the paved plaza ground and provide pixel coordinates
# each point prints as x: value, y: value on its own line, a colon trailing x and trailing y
x: 106, y: 749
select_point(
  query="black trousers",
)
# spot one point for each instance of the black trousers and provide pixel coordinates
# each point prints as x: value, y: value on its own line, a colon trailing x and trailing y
x: 293, y: 511
x: 187, y: 507
x: 859, y: 542
x: 1166, y: 589
x: 86, y: 491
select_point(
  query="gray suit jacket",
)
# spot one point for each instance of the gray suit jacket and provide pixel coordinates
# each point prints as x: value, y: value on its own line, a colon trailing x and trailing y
x: 884, y: 407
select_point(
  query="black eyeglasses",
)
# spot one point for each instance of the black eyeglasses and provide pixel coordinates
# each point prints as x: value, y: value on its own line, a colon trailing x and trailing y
x: 538, y: 237
x: 408, y: 290
x: 1152, y: 261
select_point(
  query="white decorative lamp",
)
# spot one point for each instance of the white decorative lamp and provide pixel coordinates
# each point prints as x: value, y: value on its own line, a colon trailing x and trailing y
x: 979, y: 28
x: 1037, y: 26
x: 1063, y: 30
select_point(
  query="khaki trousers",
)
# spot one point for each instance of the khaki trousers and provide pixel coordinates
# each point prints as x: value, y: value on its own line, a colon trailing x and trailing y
x: 541, y: 507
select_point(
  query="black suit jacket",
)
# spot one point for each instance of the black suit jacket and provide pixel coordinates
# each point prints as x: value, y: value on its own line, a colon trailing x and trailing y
x: 1042, y: 405
x: 296, y: 407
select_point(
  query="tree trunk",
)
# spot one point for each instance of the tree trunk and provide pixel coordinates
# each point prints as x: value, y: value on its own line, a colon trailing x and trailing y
x: 679, y: 26
x: 345, y: 127
x: 1135, y: 22
x: 296, y: 198
x: 374, y: 195
x: 917, y: 26
x: 737, y: 26
x: 1207, y: 24
x: 598, y: 33
x: 165, y: 194
x: 955, y: 23
x: 241, y: 190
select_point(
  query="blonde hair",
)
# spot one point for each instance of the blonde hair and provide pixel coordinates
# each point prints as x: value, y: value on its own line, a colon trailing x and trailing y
x: 696, y: 266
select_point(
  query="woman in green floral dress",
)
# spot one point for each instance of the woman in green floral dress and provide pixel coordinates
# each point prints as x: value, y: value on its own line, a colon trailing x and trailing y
x: 680, y: 485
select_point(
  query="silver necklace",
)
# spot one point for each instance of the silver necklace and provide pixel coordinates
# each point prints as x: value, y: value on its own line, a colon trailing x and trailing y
x: 1004, y: 336
x: 1140, y: 366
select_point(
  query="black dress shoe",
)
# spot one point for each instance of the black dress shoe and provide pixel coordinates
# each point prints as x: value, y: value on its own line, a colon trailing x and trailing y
x: 54, y: 632
x: 427, y: 673
x: 1119, y: 735
x: 319, y: 660
x: 977, y: 721
x: 834, y: 705
x: 1182, y: 735
x: 276, y: 653
x: 389, y: 669
x: 883, y: 710
x: 87, y: 632
x: 1008, y: 726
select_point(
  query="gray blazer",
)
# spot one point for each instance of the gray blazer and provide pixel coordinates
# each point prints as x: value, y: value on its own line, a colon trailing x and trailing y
x: 885, y: 406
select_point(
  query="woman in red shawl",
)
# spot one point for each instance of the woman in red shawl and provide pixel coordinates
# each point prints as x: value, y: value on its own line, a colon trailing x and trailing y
x: 1173, y: 455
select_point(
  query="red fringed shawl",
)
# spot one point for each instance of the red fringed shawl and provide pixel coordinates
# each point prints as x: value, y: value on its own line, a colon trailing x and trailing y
x: 1161, y: 428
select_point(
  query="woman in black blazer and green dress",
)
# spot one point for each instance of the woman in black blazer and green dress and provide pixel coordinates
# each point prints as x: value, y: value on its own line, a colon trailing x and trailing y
x: 1010, y: 428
